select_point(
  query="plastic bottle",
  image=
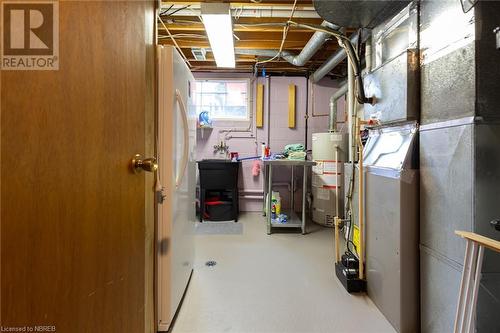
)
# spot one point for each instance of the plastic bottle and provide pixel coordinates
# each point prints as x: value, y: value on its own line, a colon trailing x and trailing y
x: 274, y: 205
x: 278, y: 204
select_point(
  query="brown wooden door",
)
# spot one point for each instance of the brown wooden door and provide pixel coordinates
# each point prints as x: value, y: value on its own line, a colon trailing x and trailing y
x: 76, y: 224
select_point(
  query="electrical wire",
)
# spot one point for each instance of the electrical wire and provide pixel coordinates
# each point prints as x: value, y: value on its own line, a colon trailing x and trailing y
x: 346, y: 44
x: 189, y: 36
x: 279, y: 52
x: 237, y: 13
x: 343, y: 41
x: 197, y: 15
x: 163, y: 12
x: 472, y: 5
x: 183, y: 36
x: 285, y: 33
x: 174, y: 41
x: 177, y: 10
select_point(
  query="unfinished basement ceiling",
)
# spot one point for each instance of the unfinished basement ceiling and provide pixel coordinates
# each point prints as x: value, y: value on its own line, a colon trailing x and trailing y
x: 182, y: 20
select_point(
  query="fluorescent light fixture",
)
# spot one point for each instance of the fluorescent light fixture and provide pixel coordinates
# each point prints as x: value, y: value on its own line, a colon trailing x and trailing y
x: 219, y: 28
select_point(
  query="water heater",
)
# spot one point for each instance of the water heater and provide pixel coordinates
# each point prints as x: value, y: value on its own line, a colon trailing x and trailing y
x: 328, y: 151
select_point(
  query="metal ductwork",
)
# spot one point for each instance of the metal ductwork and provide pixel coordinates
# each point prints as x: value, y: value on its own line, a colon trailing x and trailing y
x: 313, y: 45
x: 333, y: 106
x: 337, y: 58
x: 358, y: 13
x: 261, y: 53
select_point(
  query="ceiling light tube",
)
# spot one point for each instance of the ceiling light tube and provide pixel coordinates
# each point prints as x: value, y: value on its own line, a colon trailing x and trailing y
x: 219, y: 28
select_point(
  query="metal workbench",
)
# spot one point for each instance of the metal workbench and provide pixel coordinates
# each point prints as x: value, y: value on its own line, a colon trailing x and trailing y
x: 293, y: 221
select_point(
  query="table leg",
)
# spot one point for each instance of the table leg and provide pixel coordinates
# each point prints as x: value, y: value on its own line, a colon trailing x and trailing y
x: 292, y: 194
x: 304, y: 190
x: 466, y: 293
x: 461, y: 301
x: 469, y: 286
x: 270, y: 195
x: 264, y: 170
x: 475, y: 289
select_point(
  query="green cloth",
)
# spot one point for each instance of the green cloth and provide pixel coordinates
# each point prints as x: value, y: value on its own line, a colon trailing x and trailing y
x: 297, y: 155
x: 295, y: 147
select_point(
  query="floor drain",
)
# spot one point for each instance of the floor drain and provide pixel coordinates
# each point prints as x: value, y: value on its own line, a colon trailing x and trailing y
x: 211, y: 263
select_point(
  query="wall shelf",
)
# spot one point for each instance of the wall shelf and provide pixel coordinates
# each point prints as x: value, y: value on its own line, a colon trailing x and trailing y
x: 202, y: 130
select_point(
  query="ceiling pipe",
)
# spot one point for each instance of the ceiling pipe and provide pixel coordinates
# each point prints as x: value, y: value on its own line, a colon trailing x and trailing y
x: 260, y: 53
x: 333, y: 106
x: 337, y: 58
x: 313, y: 45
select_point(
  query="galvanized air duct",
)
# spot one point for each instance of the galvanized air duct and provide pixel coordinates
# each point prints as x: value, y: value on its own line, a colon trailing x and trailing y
x: 333, y: 105
x: 313, y: 45
x: 337, y: 58
x: 358, y: 13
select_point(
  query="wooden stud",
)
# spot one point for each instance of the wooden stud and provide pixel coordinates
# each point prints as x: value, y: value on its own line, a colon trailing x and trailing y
x: 337, y: 239
x: 361, y: 203
x: 259, y: 121
x: 291, y: 106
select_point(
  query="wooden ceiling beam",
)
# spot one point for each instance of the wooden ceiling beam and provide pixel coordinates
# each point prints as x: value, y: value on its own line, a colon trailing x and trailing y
x: 241, y: 44
x: 242, y: 36
x: 198, y: 27
x: 252, y: 36
x: 266, y: 3
x: 243, y: 20
x: 245, y: 57
x: 243, y: 23
x: 250, y: 69
x: 211, y: 61
x: 267, y: 66
x: 257, y: 44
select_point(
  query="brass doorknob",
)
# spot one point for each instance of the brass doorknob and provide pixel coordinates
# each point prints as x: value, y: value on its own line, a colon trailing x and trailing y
x: 147, y: 164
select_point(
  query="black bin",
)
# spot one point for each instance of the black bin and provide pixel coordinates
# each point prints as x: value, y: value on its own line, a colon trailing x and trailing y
x: 221, y: 211
x: 218, y: 174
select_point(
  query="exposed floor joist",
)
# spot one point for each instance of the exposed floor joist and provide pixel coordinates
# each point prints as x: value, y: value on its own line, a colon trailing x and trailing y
x: 249, y: 33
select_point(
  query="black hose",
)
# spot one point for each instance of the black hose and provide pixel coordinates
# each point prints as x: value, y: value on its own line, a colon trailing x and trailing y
x: 360, y: 96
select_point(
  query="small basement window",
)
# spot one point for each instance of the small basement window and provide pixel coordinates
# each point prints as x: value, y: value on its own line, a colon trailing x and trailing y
x: 222, y: 99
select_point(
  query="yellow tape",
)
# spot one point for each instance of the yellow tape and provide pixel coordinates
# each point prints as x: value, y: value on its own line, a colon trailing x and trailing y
x: 291, y: 106
x: 355, y: 238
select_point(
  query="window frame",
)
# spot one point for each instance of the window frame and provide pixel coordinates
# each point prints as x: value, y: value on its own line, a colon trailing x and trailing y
x: 248, y: 99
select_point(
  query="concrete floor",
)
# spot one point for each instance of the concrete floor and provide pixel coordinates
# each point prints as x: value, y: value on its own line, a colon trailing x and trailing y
x: 270, y: 284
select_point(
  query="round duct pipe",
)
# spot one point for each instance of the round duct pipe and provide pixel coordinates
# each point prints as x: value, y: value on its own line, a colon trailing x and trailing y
x: 313, y: 45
